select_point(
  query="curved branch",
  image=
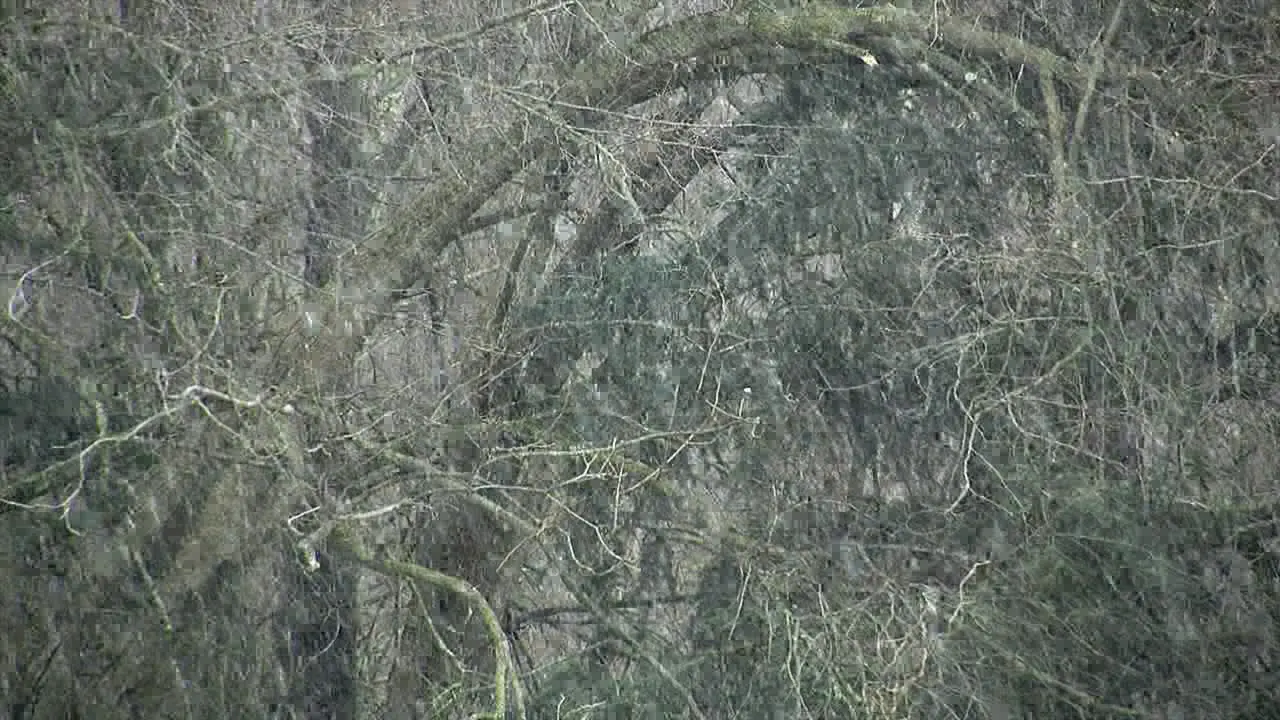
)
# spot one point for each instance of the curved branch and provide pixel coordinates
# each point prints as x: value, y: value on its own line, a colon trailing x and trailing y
x: 658, y: 60
x: 345, y: 541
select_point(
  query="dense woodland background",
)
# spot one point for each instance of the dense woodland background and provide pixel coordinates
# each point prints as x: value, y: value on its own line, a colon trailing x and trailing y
x: 640, y: 359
